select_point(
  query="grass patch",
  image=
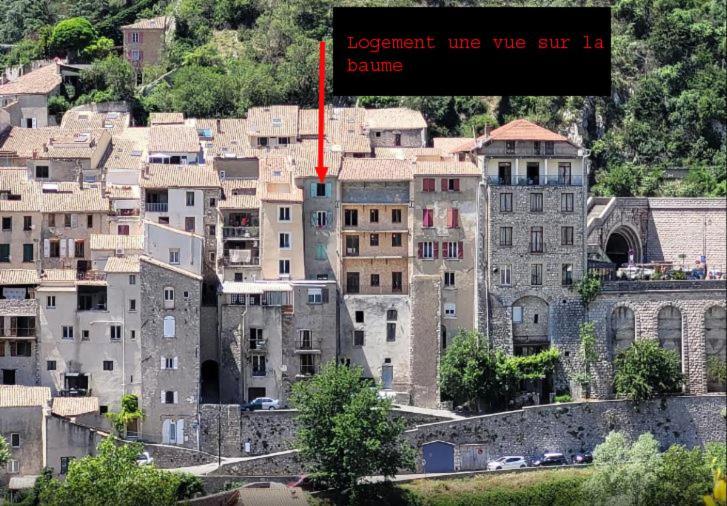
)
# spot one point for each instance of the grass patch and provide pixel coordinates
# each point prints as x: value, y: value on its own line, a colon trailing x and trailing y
x: 553, y: 487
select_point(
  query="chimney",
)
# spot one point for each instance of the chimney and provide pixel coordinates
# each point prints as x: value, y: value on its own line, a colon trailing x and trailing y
x: 35, y: 154
x: 219, y: 126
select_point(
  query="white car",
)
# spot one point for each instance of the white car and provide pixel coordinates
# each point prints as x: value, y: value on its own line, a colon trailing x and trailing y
x: 508, y: 462
x: 261, y: 403
x: 144, y: 459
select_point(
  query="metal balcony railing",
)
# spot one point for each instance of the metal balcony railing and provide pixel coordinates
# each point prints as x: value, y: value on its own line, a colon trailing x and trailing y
x: 537, y: 247
x: 18, y: 332
x: 90, y: 275
x: 241, y: 232
x: 157, y: 207
x: 535, y: 181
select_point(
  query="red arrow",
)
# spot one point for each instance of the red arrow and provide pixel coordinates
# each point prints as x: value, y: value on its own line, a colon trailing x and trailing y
x: 321, y: 169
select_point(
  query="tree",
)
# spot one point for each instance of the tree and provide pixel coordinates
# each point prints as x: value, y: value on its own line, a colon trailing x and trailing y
x: 4, y: 451
x: 99, y: 49
x: 345, y: 430
x: 129, y: 413
x: 682, y: 477
x: 589, y: 354
x: 113, y: 477
x: 110, y: 79
x: 623, y: 471
x: 72, y: 35
x: 645, y: 370
x: 588, y: 288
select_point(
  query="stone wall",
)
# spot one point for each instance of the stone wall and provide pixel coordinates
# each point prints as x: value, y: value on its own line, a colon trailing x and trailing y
x: 167, y: 456
x: 225, y: 420
x: 285, y: 463
x: 575, y: 427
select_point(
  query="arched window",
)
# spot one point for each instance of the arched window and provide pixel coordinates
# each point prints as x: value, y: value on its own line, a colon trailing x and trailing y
x: 169, y: 326
x: 715, y: 334
x: 623, y: 329
x: 669, y: 326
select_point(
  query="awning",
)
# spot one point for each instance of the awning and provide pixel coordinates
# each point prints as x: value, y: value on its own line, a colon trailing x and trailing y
x: 240, y: 287
x: 22, y: 482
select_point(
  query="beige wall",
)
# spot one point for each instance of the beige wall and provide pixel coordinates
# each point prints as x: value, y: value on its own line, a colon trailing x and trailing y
x: 270, y: 229
x: 17, y: 237
x: 365, y: 267
x: 151, y: 45
x: 78, y: 232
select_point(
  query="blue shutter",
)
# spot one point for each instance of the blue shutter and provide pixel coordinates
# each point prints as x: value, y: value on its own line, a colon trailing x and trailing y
x: 313, y: 190
x: 329, y: 188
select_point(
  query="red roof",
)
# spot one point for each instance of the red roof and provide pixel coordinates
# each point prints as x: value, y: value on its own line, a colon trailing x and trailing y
x: 517, y: 130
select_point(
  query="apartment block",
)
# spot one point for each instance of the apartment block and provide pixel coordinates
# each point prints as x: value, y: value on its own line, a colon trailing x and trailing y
x: 19, y: 327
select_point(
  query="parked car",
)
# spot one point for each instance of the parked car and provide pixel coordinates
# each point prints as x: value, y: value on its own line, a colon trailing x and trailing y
x: 144, y: 459
x: 260, y: 403
x: 583, y: 458
x: 507, y: 462
x: 551, y: 459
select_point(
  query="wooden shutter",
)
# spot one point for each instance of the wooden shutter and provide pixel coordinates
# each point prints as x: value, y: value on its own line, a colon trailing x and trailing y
x: 436, y: 250
x: 64, y: 251
x: 71, y: 247
x: 175, y: 363
x: 324, y: 295
x: 141, y: 37
x: 46, y: 248
x: 329, y: 189
x: 163, y: 397
x: 450, y: 216
x: 165, y: 429
x: 456, y: 185
x: 460, y: 250
x: 180, y: 428
x: 163, y: 364
x: 74, y: 221
x: 455, y: 218
x: 444, y: 184
x: 420, y: 249
x: 312, y: 190
x: 141, y: 56
x: 176, y: 397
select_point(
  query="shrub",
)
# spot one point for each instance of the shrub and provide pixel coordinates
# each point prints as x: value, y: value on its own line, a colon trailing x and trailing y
x: 645, y: 370
x: 563, y: 398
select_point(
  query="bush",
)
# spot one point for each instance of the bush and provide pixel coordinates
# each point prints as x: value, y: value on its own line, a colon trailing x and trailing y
x: 645, y: 370
x: 556, y: 492
x: 563, y: 398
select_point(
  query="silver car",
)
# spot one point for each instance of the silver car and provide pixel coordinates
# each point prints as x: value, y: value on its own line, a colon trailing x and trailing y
x: 508, y: 462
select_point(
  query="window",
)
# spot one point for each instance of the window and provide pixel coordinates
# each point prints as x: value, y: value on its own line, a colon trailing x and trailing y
x: 450, y: 310
x: 510, y: 147
x: 50, y: 365
x: 536, y: 240
x: 517, y: 314
x: 168, y: 297
x: 284, y: 240
x: 373, y: 216
x: 4, y: 253
x: 122, y: 229
x: 51, y: 220
x: 427, y: 218
x: 452, y: 218
x: 284, y: 266
x: 27, y: 223
x: 549, y: 147
x: 449, y: 279
x: 283, y: 213
x: 174, y: 256
x: 506, y: 202
x: 566, y: 202
x: 54, y: 249
x: 132, y: 279
x: 320, y: 189
x: 132, y: 334
x: 567, y: 274
x: 307, y: 364
x: 352, y: 282
x: 375, y: 281
x: 452, y: 249
x: 67, y: 220
x: 79, y: 249
x: 350, y: 217
x: 505, y: 275
x: 115, y: 332
x: 450, y: 185
x: 536, y: 202
x: 566, y: 236
x: 505, y: 236
x: 65, y: 463
x: 7, y: 223
x: 41, y: 172
x: 426, y: 250
x: 13, y: 466
x: 189, y: 224
x: 564, y: 173
x: 390, y: 332
x: 358, y: 337
x: 258, y: 365
x: 536, y: 274
x: 536, y: 147
x: 213, y: 202
x: 504, y: 173
x: 67, y: 332
x: 397, y: 139
x: 396, y: 282
x: 135, y: 37
x: 396, y: 240
x: 20, y: 348
x: 321, y: 251
x: 50, y: 302
x: 190, y: 199
x: 169, y: 327
x: 392, y: 314
x: 169, y: 397
x: 85, y: 335
x: 359, y: 316
x: 89, y: 221
x: 396, y: 216
x: 169, y: 362
x: 15, y: 440
x: 108, y: 365
x: 27, y: 252
x: 132, y: 305
x: 428, y: 184
x: 212, y: 230
x: 315, y: 295
x: 374, y: 239
x: 319, y: 219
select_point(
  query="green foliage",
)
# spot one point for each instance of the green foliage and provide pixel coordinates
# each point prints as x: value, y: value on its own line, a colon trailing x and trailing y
x: 716, y: 456
x: 716, y: 370
x: 345, y: 430
x: 57, y: 106
x: 128, y: 413
x: 113, y: 477
x: 19, y: 18
x: 563, y: 398
x: 72, y: 35
x: 645, y: 370
x: 588, y: 288
x: 4, y: 451
x: 471, y: 371
x: 110, y: 79
x: 587, y: 334
x: 682, y: 477
x: 101, y: 48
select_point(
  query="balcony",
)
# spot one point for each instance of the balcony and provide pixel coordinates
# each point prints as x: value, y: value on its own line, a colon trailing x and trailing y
x: 308, y: 369
x: 537, y: 247
x: 240, y: 232
x: 259, y: 345
x: 156, y: 207
x: 91, y: 298
x: 74, y: 392
x: 130, y: 213
x: 551, y: 180
x: 24, y: 327
x: 237, y: 259
x: 90, y: 275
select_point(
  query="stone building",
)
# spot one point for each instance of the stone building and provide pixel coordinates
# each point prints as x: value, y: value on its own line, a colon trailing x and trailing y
x: 31, y: 91
x: 18, y: 327
x: 20, y: 217
x: 170, y: 347
x: 144, y: 42
x: 396, y: 127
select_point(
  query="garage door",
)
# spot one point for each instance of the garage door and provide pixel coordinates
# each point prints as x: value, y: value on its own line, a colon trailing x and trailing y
x: 438, y: 457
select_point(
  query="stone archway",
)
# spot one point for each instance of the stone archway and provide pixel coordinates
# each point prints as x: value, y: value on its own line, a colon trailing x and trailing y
x: 209, y: 375
x: 531, y: 335
x: 622, y: 329
x: 715, y: 335
x: 669, y: 330
x: 620, y: 241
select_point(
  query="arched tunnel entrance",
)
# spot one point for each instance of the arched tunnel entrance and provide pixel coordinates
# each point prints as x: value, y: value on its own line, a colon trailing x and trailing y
x: 620, y: 242
x: 210, y: 382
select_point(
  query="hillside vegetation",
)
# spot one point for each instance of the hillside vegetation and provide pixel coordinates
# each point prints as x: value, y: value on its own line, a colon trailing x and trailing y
x: 667, y: 108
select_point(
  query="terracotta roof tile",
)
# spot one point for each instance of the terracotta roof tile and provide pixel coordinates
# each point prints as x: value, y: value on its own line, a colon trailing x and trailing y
x: 240, y: 194
x: 179, y: 176
x: 173, y: 139
x: 37, y: 82
x: 23, y: 142
x: 224, y: 137
x: 446, y: 167
x: 448, y: 144
x: 523, y: 130
x: 122, y: 264
x: 125, y: 155
x: 70, y: 197
x: 19, y: 277
x: 394, y: 118
x: 74, y: 406
x: 375, y: 169
x: 173, y: 268
x: 166, y: 118
x: 106, y: 242
x: 79, y: 119
x: 17, y: 396
x: 77, y: 144
x: 273, y: 121
x: 150, y: 23
x: 15, y: 180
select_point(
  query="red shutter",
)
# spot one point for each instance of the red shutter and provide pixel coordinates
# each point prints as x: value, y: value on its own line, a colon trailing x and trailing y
x: 455, y: 218
x: 141, y: 37
x: 444, y: 185
x: 436, y: 249
x: 449, y: 218
x: 456, y: 185
x: 141, y: 55
x: 420, y: 248
x: 460, y: 250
